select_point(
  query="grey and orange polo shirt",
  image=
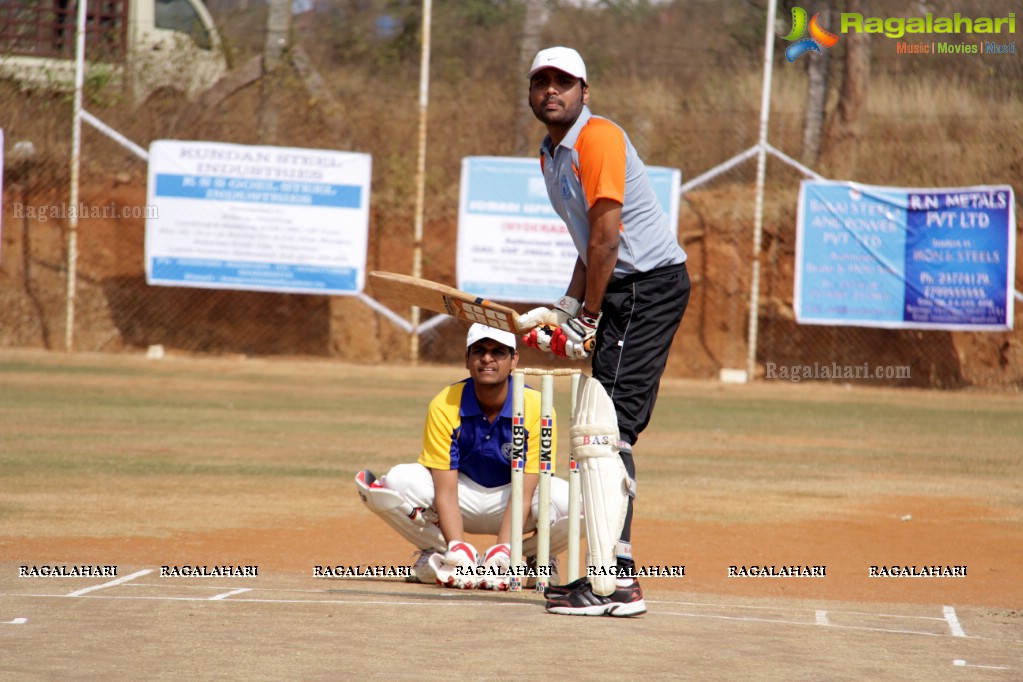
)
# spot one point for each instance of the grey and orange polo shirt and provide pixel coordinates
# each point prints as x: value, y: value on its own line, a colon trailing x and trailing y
x: 596, y: 160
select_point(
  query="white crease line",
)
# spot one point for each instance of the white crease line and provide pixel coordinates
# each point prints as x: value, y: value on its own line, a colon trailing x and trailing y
x: 822, y: 618
x: 448, y: 594
x: 225, y: 595
x: 963, y: 664
x: 343, y: 602
x: 16, y: 621
x: 118, y: 581
x: 459, y: 602
x: 795, y: 622
x: 172, y: 585
x: 953, y: 622
x: 332, y: 602
x: 790, y: 609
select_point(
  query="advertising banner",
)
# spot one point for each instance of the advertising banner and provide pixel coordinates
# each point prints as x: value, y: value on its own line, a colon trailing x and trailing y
x: 905, y: 258
x: 260, y: 218
x: 512, y: 246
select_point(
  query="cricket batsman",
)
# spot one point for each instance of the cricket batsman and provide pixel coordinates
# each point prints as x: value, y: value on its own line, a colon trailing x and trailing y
x: 622, y: 306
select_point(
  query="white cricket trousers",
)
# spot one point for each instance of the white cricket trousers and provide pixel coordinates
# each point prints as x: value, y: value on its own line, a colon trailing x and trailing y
x: 482, y: 508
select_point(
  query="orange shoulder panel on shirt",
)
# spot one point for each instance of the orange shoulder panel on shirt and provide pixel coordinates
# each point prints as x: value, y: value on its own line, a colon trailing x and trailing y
x: 601, y: 147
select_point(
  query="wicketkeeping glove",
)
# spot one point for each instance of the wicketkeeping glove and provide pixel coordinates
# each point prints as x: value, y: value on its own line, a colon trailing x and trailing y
x: 456, y: 567
x: 576, y: 337
x: 495, y: 564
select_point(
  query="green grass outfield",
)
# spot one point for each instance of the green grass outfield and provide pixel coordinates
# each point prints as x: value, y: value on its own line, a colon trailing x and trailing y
x: 76, y: 426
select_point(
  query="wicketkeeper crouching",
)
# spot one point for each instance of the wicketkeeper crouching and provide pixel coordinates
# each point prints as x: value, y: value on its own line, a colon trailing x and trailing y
x: 461, y: 482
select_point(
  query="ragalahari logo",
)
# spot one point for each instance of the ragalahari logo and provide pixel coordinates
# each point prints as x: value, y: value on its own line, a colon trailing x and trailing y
x: 819, y: 37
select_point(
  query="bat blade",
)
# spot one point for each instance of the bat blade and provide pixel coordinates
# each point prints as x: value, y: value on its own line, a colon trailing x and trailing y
x: 440, y: 298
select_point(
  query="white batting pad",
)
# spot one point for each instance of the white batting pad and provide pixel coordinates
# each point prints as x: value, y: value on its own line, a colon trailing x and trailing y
x: 605, y: 502
x: 411, y: 523
x: 594, y: 429
x: 605, y: 483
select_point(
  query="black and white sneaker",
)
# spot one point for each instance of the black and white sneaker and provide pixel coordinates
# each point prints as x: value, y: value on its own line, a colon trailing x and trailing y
x: 581, y: 601
x: 562, y: 590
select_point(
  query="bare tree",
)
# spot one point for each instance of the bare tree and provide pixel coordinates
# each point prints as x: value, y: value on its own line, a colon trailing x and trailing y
x: 843, y: 131
x: 278, y: 27
x: 537, y: 12
x: 816, y: 99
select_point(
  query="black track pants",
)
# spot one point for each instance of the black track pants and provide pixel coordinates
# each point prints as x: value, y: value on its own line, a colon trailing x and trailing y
x: 641, y: 314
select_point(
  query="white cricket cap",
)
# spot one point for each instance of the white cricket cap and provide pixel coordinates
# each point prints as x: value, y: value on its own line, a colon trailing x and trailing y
x: 481, y: 331
x: 561, y: 58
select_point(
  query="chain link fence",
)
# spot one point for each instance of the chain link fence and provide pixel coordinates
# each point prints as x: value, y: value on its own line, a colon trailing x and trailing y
x: 682, y: 78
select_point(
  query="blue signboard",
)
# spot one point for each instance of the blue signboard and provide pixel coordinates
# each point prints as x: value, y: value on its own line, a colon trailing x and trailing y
x: 905, y: 258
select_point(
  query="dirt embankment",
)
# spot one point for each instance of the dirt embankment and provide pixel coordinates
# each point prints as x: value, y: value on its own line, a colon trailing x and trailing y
x: 116, y: 310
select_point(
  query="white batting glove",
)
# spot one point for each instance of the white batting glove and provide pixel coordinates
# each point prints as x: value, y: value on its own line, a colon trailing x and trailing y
x: 496, y: 561
x: 565, y: 308
x: 576, y: 338
x: 540, y: 337
x: 456, y: 567
x: 545, y: 320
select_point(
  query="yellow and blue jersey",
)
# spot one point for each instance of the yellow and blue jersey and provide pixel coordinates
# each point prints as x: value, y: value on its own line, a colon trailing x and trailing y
x: 458, y: 436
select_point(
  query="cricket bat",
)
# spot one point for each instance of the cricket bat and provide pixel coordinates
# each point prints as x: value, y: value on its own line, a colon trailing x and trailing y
x: 440, y: 298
